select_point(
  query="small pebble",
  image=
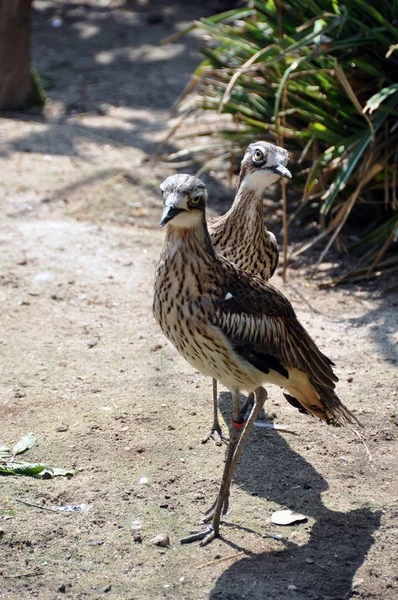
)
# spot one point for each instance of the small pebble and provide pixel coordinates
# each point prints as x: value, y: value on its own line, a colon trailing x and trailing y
x: 62, y: 428
x: 162, y: 539
x: 107, y: 588
x: 292, y: 588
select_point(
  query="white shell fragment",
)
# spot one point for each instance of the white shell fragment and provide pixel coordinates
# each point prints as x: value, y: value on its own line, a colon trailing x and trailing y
x: 286, y: 517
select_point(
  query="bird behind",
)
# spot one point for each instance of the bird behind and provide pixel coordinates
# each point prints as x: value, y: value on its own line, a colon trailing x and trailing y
x: 240, y: 234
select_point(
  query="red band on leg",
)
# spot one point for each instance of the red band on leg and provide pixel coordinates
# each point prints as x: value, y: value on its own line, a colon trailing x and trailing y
x: 236, y: 425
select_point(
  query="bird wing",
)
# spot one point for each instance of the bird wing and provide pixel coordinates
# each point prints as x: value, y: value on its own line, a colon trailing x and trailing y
x: 262, y: 326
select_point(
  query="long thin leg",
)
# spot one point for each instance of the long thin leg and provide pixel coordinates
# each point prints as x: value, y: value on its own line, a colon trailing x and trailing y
x: 215, y: 432
x: 236, y: 444
x: 247, y: 408
x: 261, y: 396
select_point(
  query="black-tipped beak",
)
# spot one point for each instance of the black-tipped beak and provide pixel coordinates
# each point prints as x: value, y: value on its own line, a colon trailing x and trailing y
x: 282, y: 171
x: 169, y: 213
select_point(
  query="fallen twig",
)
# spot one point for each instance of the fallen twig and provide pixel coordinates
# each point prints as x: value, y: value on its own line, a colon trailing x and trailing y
x: 37, y: 506
x: 34, y: 574
x: 360, y: 437
x: 212, y: 562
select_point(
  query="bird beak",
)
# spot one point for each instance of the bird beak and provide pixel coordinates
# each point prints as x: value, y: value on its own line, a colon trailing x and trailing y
x: 169, y: 213
x: 282, y: 171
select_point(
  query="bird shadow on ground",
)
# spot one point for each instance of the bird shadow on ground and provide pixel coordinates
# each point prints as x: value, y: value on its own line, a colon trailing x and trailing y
x: 324, y: 566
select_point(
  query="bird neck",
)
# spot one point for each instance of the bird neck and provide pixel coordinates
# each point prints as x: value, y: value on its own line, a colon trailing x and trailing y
x: 247, y: 209
x: 189, y: 245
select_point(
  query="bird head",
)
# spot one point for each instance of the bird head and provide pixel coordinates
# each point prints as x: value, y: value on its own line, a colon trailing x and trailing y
x: 184, y: 200
x: 262, y: 165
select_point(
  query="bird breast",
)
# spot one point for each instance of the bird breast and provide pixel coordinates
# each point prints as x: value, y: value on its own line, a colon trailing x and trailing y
x: 184, y: 311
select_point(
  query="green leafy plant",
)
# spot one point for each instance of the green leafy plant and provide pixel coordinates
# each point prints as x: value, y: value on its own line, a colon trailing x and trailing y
x: 320, y: 78
x: 9, y: 465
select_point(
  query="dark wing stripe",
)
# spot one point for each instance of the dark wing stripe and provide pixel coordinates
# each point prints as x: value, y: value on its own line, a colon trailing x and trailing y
x: 259, y: 317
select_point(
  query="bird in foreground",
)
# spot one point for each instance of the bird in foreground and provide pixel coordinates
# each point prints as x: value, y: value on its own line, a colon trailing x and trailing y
x: 241, y: 236
x: 234, y: 327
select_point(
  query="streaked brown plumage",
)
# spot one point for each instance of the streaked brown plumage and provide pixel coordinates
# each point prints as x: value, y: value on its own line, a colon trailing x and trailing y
x: 233, y: 326
x: 240, y: 235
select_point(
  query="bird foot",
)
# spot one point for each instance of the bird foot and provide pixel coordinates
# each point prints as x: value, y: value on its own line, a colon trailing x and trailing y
x: 209, y: 514
x: 217, y: 436
x: 205, y: 537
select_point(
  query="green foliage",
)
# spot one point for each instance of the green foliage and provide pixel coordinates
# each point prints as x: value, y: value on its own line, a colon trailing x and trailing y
x: 10, y: 466
x: 37, y: 95
x: 319, y: 78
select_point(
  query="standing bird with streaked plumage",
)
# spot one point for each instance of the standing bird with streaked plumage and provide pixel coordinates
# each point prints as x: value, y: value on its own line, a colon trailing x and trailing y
x: 234, y: 327
x: 241, y: 236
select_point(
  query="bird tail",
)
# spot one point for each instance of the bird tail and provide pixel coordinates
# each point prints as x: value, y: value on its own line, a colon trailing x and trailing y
x: 327, y: 406
x: 336, y: 412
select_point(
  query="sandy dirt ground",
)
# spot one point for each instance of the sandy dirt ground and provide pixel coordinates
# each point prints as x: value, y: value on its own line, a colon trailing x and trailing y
x: 84, y: 366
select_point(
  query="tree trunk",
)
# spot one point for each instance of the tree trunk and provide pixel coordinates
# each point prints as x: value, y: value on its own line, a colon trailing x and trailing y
x: 15, y: 77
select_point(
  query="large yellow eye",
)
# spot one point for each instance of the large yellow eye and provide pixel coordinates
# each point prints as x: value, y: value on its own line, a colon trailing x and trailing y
x: 194, y: 201
x: 258, y: 155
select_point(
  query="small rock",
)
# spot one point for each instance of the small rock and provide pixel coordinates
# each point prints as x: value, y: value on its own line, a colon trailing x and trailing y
x: 107, y: 589
x: 156, y: 347
x: 137, y: 538
x: 161, y: 540
x: 62, y: 428
x: 43, y: 277
x: 292, y: 588
x: 93, y: 342
x: 2, y: 532
x: 309, y: 561
x: 62, y: 588
x: 103, y: 108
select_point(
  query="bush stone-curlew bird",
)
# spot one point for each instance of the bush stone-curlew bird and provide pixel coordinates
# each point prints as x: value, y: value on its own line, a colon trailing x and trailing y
x: 241, y: 236
x: 234, y: 327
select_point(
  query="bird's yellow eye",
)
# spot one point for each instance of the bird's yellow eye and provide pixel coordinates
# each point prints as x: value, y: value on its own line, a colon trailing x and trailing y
x: 258, y: 155
x: 194, y: 201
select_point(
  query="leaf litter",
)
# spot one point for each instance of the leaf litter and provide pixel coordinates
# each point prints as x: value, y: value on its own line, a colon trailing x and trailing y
x: 10, y: 466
